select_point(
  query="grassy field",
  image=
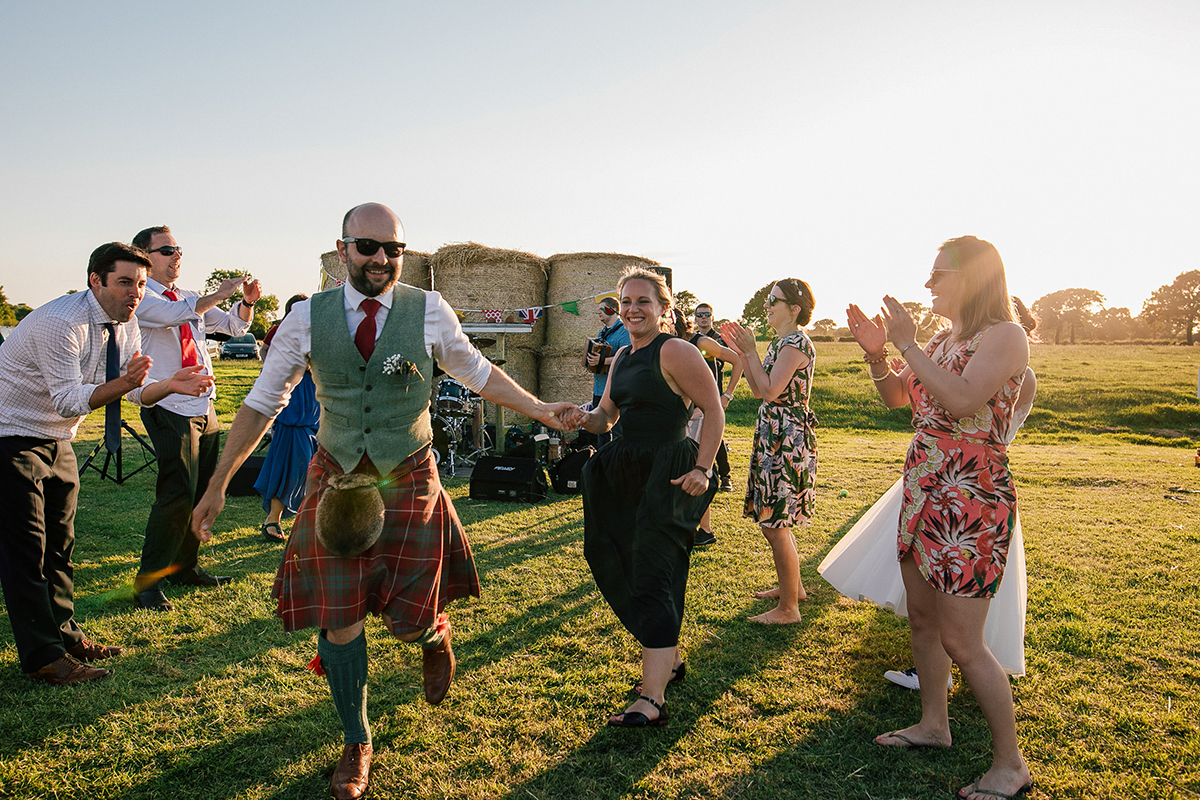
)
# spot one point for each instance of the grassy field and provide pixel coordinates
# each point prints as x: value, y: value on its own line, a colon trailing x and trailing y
x: 212, y: 700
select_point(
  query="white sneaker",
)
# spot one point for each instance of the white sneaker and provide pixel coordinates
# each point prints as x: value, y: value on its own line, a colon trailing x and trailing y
x: 909, y: 680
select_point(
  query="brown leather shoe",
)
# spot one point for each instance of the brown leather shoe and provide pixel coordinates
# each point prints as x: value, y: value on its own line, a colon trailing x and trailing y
x: 352, y: 775
x: 66, y: 671
x: 438, y: 666
x: 87, y: 650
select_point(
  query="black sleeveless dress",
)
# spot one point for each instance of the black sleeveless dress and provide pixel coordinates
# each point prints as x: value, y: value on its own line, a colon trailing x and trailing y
x: 638, y: 528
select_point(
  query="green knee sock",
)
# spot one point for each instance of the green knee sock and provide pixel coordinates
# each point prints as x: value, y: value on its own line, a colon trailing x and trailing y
x: 346, y: 670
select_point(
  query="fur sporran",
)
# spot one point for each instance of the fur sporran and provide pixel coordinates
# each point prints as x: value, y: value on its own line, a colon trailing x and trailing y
x: 350, y: 515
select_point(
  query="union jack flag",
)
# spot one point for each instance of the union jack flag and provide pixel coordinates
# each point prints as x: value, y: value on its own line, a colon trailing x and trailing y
x: 492, y: 314
x: 530, y: 315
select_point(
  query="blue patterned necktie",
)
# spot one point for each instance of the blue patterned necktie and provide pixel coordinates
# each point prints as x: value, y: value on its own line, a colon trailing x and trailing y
x: 112, y: 411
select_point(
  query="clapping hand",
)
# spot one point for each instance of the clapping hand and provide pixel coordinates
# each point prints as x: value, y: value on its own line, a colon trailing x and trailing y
x: 871, y: 334
x: 251, y: 290
x: 738, y: 338
x: 137, y: 369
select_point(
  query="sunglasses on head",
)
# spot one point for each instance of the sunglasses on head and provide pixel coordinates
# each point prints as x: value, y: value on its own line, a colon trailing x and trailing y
x: 369, y: 247
x: 167, y: 250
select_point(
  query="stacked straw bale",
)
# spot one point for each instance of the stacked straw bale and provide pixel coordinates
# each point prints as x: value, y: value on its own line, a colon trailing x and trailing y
x: 414, y: 270
x: 474, y: 277
x: 574, y: 276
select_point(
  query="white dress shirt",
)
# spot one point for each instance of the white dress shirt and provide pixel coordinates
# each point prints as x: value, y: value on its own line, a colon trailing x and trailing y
x: 160, y: 318
x: 289, y: 353
x: 53, y: 362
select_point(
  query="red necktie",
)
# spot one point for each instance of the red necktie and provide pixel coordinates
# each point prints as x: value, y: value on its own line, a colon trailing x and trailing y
x: 186, y: 343
x: 364, y: 337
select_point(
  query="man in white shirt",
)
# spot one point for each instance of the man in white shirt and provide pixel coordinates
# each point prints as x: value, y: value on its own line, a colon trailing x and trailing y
x: 66, y: 358
x: 370, y: 345
x: 184, y: 430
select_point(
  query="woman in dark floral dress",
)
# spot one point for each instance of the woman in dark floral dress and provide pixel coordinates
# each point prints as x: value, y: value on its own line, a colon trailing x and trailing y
x: 960, y: 501
x: 783, y: 462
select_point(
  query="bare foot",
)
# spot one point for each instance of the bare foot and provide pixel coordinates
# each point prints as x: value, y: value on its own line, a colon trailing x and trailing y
x: 773, y: 594
x: 914, y: 737
x: 777, y: 616
x: 998, y: 782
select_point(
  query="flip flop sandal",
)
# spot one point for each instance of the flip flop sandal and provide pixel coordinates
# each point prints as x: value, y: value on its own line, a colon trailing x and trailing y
x: 636, y: 719
x: 277, y: 536
x: 909, y: 744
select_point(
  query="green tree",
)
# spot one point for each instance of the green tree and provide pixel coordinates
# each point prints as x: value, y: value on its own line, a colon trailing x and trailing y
x: 266, y: 310
x: 8, y: 314
x: 754, y: 316
x: 686, y: 302
x: 823, y: 327
x: 1068, y: 308
x: 1112, y: 324
x: 1176, y: 307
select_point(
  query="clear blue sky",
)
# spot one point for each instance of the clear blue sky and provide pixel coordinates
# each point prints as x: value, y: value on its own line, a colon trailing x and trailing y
x: 738, y: 142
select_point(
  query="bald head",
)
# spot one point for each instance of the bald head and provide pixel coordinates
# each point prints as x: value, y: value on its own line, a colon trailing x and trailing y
x: 375, y: 213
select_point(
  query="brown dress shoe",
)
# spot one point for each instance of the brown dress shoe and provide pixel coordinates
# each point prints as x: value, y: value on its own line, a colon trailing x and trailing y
x: 438, y: 668
x: 66, y: 671
x: 87, y: 650
x: 352, y: 775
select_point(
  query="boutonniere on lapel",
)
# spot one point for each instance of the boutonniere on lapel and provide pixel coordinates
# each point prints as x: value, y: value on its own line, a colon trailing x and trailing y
x: 398, y: 365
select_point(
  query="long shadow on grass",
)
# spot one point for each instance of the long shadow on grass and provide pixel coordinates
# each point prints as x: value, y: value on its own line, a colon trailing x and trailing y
x: 614, y: 760
x: 140, y: 675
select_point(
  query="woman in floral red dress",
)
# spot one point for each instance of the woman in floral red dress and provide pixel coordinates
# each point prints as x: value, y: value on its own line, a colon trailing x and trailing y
x: 959, y: 498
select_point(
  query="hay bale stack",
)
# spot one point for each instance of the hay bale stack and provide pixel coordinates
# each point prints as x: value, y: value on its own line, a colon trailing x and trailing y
x: 471, y: 276
x: 572, y: 276
x: 332, y: 270
x: 414, y: 270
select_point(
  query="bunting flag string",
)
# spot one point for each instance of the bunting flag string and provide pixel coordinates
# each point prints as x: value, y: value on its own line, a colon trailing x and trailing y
x: 529, y: 315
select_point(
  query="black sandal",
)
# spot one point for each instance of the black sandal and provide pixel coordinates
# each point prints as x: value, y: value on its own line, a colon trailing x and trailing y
x: 677, y: 676
x: 277, y: 536
x: 636, y: 719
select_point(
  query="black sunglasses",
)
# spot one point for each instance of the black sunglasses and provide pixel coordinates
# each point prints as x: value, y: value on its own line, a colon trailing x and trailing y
x: 167, y: 250
x: 369, y: 247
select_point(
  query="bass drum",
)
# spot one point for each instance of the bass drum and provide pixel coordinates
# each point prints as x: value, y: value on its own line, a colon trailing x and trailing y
x: 442, y: 441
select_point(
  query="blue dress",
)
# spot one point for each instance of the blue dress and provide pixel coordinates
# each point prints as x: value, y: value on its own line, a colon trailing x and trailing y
x: 293, y: 443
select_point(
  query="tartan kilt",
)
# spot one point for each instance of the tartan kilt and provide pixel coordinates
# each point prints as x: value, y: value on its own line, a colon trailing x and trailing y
x: 421, y: 562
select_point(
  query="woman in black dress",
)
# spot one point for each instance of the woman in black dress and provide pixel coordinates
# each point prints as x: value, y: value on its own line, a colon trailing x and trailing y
x: 644, y: 493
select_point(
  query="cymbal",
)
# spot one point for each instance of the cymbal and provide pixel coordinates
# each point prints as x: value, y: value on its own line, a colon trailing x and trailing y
x: 499, y: 362
x: 481, y: 341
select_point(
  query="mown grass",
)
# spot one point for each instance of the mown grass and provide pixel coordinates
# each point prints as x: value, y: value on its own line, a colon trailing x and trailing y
x: 212, y: 701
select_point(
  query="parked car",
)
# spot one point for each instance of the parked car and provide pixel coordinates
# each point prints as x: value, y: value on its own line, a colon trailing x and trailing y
x: 244, y: 346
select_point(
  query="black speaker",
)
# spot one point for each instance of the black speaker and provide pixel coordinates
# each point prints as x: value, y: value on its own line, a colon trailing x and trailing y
x: 508, y: 479
x: 566, y: 473
x: 242, y: 482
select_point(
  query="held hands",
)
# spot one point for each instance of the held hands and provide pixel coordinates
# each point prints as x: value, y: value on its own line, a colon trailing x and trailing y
x: 739, y: 338
x: 560, y: 416
x: 693, y: 482
x: 191, y: 380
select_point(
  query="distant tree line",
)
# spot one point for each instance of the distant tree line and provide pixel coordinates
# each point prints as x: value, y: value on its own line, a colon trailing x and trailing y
x: 9, y: 314
x: 1067, y: 316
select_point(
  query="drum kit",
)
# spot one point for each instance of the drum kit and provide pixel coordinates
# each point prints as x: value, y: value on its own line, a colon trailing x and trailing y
x: 459, y: 435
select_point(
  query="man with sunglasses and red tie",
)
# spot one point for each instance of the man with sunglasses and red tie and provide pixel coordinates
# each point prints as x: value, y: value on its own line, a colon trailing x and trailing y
x: 184, y: 430
x: 370, y: 345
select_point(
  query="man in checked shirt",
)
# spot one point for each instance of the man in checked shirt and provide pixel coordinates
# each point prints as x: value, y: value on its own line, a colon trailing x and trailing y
x: 52, y: 374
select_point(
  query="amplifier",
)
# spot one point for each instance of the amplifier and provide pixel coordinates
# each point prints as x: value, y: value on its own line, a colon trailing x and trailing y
x: 508, y: 479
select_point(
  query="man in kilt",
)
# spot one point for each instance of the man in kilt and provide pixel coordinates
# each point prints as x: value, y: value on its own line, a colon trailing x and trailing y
x: 370, y: 345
